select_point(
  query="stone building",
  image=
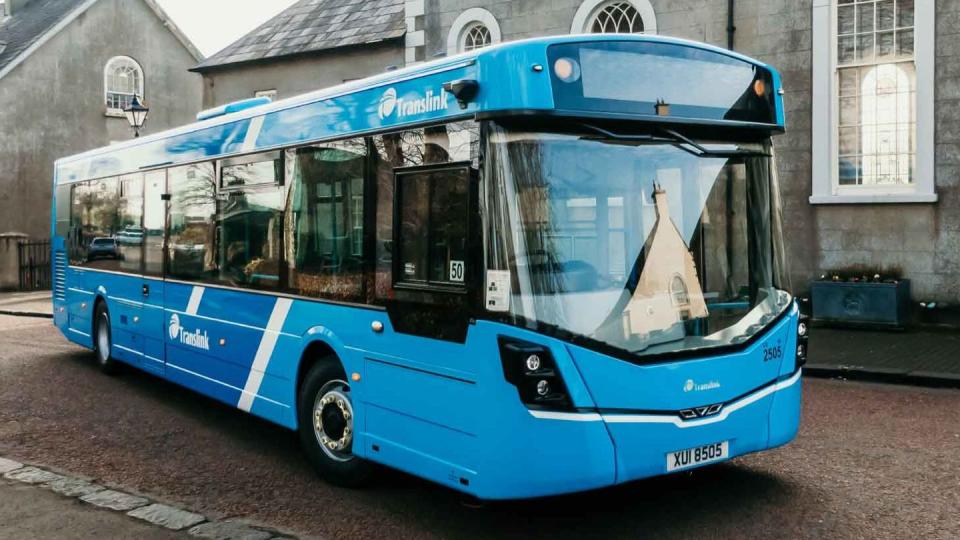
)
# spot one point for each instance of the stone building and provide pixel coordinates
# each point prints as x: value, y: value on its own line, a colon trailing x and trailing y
x: 67, y: 69
x: 870, y: 163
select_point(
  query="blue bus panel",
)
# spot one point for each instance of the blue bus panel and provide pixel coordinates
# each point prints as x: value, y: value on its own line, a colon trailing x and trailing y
x: 442, y: 409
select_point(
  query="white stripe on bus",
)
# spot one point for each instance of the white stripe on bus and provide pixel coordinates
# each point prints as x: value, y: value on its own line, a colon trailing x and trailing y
x: 253, y: 132
x: 262, y: 359
x: 668, y: 418
x: 194, y: 304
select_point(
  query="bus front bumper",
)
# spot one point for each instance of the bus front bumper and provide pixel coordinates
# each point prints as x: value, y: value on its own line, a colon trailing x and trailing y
x: 571, y: 452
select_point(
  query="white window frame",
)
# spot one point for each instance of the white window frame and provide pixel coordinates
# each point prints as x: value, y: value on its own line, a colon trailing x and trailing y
x: 107, y: 68
x: 467, y: 20
x: 583, y: 18
x: 826, y: 188
x: 272, y: 94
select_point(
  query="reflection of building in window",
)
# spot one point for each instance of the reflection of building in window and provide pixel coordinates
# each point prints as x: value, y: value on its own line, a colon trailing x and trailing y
x: 668, y: 291
x: 678, y: 290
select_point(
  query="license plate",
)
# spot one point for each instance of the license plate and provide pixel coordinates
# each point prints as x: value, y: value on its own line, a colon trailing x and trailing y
x: 691, y: 457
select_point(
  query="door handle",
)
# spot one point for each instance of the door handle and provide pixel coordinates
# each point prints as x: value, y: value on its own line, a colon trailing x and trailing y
x: 146, y: 290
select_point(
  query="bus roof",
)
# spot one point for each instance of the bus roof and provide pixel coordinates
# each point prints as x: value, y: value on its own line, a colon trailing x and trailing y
x: 512, y: 78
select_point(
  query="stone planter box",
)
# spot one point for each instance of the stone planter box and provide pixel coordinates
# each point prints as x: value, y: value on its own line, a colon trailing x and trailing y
x: 861, y: 303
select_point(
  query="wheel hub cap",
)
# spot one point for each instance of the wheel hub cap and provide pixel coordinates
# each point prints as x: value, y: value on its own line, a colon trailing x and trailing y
x: 333, y: 420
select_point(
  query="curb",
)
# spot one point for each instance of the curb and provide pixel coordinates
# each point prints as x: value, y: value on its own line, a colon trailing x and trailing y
x: 26, y: 314
x: 135, y: 506
x: 883, y: 375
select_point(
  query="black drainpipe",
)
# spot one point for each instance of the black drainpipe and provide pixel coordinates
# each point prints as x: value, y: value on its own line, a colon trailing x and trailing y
x: 731, y: 29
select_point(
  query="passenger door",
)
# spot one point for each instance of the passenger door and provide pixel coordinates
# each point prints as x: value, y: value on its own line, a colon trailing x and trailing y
x: 153, y: 244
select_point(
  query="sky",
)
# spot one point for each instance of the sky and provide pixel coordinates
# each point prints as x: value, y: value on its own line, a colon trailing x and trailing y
x: 214, y: 24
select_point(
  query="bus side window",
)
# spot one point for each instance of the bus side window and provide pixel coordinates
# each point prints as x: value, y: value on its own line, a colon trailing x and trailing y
x: 326, y: 205
x: 432, y: 222
x: 250, y: 221
x: 192, y: 251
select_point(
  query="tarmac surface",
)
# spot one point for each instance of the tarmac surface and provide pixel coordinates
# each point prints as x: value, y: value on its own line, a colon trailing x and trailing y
x: 871, y: 460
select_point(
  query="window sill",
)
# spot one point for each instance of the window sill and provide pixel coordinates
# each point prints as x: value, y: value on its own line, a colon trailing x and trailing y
x: 115, y: 113
x: 875, y: 198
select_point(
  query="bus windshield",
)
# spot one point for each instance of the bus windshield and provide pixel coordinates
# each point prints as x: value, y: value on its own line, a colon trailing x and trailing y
x: 647, y: 245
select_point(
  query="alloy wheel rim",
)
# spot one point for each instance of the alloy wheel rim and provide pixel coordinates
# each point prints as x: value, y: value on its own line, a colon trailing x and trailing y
x: 333, y: 420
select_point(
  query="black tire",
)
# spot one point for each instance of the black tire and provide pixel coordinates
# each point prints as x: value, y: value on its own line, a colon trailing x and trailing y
x: 103, y: 340
x: 338, y: 466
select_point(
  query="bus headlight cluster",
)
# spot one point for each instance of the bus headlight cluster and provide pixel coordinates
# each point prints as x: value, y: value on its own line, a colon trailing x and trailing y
x: 803, y: 328
x: 532, y: 370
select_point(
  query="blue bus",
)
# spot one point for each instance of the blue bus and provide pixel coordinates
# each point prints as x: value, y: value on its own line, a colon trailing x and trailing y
x: 536, y: 268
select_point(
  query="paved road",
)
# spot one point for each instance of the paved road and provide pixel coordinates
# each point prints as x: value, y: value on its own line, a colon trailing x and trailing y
x: 871, y: 461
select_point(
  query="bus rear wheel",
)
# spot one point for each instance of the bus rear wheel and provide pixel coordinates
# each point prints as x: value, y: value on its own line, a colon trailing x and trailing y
x: 326, y: 421
x: 103, y: 339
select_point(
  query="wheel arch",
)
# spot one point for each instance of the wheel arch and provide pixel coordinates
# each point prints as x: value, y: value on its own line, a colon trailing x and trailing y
x: 321, y: 345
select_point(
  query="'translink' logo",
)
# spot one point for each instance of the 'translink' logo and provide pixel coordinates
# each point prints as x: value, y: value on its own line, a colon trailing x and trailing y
x: 691, y: 386
x: 432, y: 101
x: 197, y: 338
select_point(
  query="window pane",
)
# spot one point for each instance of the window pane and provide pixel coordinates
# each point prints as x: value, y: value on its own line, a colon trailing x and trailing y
x: 414, y: 216
x: 326, y: 209
x: 96, y: 206
x: 849, y: 115
x: 154, y: 219
x: 251, y: 223
x: 130, y: 233
x: 905, y: 43
x: 848, y: 82
x: 448, y: 226
x: 848, y: 141
x: 864, y: 18
x: 865, y: 47
x: 255, y: 171
x: 845, y: 19
x: 885, y: 15
x: 193, y: 212
x: 849, y: 170
x: 904, y: 13
x: 885, y: 47
x: 846, y: 48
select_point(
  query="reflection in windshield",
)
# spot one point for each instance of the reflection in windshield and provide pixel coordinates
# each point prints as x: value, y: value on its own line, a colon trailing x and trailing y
x: 644, y: 246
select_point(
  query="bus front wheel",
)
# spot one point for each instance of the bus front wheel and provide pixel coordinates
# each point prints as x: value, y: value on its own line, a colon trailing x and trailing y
x: 103, y: 339
x: 326, y: 420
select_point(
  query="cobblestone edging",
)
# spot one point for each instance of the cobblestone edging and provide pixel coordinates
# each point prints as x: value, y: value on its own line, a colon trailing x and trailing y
x: 161, y: 515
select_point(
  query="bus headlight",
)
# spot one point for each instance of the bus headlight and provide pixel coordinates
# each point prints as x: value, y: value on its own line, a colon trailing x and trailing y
x: 802, y: 339
x: 532, y: 370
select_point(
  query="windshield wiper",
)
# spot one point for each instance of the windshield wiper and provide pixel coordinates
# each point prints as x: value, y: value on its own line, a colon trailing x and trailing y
x: 683, y: 143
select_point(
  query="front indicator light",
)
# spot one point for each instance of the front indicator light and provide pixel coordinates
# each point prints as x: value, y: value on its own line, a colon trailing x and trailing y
x: 532, y: 369
x: 566, y: 69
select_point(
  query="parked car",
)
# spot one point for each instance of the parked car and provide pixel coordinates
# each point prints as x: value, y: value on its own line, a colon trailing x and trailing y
x: 130, y: 236
x: 103, y: 247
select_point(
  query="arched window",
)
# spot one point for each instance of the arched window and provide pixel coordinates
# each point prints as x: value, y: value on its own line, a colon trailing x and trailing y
x: 618, y: 16
x: 475, y: 37
x: 475, y: 28
x: 122, y: 79
x: 678, y: 291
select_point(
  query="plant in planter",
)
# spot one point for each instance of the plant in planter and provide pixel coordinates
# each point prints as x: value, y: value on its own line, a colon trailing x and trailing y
x: 862, y: 296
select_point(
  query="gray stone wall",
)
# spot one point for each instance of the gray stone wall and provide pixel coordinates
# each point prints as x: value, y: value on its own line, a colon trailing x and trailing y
x: 52, y: 105
x: 298, y: 75
x: 923, y: 240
